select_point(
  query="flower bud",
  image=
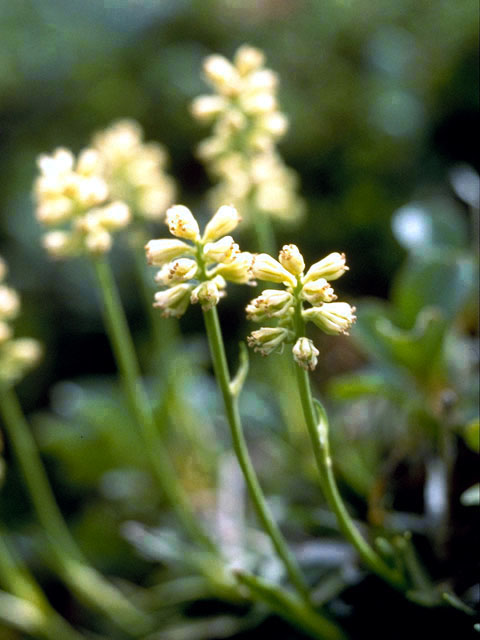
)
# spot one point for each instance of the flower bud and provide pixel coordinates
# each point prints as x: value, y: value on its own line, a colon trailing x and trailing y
x: 26, y: 351
x: 265, y: 267
x: 173, y: 301
x: 291, y: 258
x: 222, y: 222
x: 159, y: 252
x: 114, y: 216
x: 177, y: 271
x: 222, y: 74
x: 305, y: 353
x: 9, y: 303
x: 248, y: 59
x: 275, y: 123
x: 332, y: 317
x: 5, y: 332
x: 267, y: 339
x: 98, y: 242
x: 318, y: 291
x: 330, y: 268
x: 271, y: 303
x: 60, y: 244
x: 205, y: 108
x: 182, y: 223
x: 207, y: 294
x: 223, y: 250
x: 238, y: 270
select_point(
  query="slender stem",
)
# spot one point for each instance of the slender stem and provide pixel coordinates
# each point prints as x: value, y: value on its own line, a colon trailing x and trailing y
x: 139, y: 404
x: 83, y: 579
x: 318, y: 430
x: 18, y: 580
x: 230, y: 400
x: 34, y: 474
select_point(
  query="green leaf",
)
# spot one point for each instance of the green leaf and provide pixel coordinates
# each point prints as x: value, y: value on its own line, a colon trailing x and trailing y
x: 438, y: 278
x: 471, y: 435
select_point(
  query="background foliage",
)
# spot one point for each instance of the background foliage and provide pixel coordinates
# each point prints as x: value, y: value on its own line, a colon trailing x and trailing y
x: 382, y: 101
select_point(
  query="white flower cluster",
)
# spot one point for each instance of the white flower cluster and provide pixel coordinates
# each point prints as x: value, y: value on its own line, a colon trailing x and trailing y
x: 73, y: 199
x: 196, y: 271
x: 17, y: 355
x: 135, y: 170
x: 241, y: 153
x: 286, y: 306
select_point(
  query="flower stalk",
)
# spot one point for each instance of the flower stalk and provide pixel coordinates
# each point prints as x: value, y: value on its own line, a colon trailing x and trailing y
x: 230, y: 399
x: 139, y: 404
x: 83, y: 579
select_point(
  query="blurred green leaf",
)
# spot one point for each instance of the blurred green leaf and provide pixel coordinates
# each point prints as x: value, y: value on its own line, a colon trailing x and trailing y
x: 441, y: 278
x: 471, y: 434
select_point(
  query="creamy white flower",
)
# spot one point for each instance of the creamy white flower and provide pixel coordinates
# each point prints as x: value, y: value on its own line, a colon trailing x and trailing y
x: 207, y: 107
x: 161, y: 251
x: 291, y: 258
x: 208, y: 294
x: 60, y: 244
x: 223, y: 250
x: 248, y: 59
x: 180, y: 270
x: 182, y: 223
x: 318, y: 291
x: 305, y: 353
x: 238, y: 270
x: 5, y: 332
x: 265, y: 267
x: 222, y: 74
x: 268, y: 339
x: 174, y: 300
x: 224, y: 220
x: 9, y: 303
x: 330, y: 268
x: 272, y: 303
x: 333, y: 317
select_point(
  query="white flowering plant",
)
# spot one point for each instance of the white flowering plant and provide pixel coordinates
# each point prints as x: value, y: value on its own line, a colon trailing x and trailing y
x: 176, y: 478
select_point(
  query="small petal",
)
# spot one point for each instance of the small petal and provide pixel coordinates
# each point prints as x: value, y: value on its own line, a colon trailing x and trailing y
x: 267, y: 339
x: 159, y: 252
x: 332, y: 317
x: 291, y: 258
x: 223, y: 250
x: 173, y: 301
x: 182, y: 223
x: 248, y: 59
x: 223, y: 221
x: 272, y: 303
x: 180, y: 270
x: 265, y: 267
x: 207, y: 294
x: 318, y: 291
x: 305, y: 353
x: 330, y: 268
x: 239, y: 270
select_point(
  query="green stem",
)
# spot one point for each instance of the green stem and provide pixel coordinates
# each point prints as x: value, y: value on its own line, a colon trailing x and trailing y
x: 64, y: 549
x: 124, y: 351
x: 318, y: 431
x: 18, y: 580
x: 230, y: 400
x: 291, y: 608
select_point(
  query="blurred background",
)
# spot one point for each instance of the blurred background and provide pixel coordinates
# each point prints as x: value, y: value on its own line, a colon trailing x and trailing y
x: 382, y: 100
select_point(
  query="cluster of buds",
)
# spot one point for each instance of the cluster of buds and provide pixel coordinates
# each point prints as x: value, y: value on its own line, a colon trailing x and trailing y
x: 194, y: 268
x: 286, y: 307
x: 17, y: 355
x: 134, y: 170
x: 241, y: 154
x: 73, y: 200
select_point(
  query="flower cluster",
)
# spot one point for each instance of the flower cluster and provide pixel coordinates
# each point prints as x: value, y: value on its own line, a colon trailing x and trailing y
x: 17, y: 355
x: 134, y: 170
x: 73, y: 199
x: 241, y: 154
x: 195, y: 267
x: 286, y: 307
